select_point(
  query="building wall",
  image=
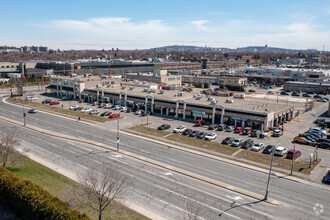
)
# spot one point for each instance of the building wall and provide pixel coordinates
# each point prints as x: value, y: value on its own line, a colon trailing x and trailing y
x: 171, y: 80
x: 215, y: 79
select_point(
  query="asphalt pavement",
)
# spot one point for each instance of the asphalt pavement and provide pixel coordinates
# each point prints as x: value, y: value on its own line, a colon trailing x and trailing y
x: 296, y: 199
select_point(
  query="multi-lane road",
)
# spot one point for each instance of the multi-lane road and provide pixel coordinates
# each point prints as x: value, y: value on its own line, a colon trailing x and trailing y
x: 164, y: 192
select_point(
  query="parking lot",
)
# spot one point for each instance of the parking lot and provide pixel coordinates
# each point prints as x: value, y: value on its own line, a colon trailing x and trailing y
x: 291, y: 129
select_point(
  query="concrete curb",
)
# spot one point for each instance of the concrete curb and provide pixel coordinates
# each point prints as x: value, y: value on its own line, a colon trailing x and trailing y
x: 227, y: 160
x: 184, y: 172
x: 317, y: 166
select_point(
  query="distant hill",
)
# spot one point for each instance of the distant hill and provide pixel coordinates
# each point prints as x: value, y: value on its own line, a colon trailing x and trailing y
x: 223, y: 49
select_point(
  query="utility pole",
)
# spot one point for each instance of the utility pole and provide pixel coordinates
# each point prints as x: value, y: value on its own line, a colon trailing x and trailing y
x: 270, y: 171
x: 294, y: 149
x: 118, y: 140
x: 24, y: 114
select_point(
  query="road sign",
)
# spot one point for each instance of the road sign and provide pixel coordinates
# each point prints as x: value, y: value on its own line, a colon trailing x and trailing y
x: 197, y: 112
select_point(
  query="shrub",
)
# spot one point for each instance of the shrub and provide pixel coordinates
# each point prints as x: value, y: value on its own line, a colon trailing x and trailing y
x: 30, y: 201
x: 235, y: 88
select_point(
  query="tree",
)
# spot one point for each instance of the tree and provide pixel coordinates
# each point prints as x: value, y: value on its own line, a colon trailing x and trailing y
x: 9, y: 142
x: 192, y: 210
x: 101, y: 188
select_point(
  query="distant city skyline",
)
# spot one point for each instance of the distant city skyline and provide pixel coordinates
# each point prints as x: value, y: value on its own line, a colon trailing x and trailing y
x: 148, y: 24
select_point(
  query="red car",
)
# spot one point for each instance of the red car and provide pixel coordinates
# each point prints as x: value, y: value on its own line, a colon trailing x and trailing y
x: 294, y: 154
x: 199, y: 122
x: 239, y: 130
x: 55, y: 103
x: 114, y: 115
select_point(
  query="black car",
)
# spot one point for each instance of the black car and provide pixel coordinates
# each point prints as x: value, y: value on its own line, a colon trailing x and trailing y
x: 252, y: 90
x: 310, y: 92
x: 306, y: 95
x: 325, y: 145
x: 325, y: 98
x: 32, y: 111
x: 317, y: 97
x: 201, y: 135
x: 194, y: 133
x: 105, y: 114
x: 187, y: 131
x: 227, y: 140
x: 319, y: 120
x: 46, y: 101
x: 284, y: 93
x: 295, y: 94
x: 164, y: 127
x: 269, y: 149
x: 248, y: 144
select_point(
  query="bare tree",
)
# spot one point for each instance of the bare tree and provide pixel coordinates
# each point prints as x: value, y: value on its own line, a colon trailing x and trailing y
x: 192, y: 210
x: 9, y: 142
x: 101, y: 189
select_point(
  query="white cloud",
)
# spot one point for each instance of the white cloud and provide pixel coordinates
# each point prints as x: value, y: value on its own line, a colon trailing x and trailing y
x: 200, y: 24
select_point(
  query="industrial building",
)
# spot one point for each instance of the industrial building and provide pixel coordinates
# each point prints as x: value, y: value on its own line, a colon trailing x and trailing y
x: 215, y: 80
x: 323, y: 87
x: 160, y: 77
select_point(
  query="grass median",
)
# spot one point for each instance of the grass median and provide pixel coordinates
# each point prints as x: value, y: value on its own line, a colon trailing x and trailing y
x: 142, y: 129
x: 203, y: 144
x: 57, y: 185
x: 279, y: 162
x: 58, y: 109
x: 28, y: 84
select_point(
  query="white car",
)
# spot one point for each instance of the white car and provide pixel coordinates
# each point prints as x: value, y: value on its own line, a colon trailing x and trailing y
x: 210, y: 136
x: 117, y: 107
x: 74, y: 107
x: 271, y: 92
x: 179, y: 129
x: 85, y: 110
x: 237, y: 142
x: 94, y: 112
x: 280, y: 151
x: 123, y: 109
x: 257, y: 147
x: 138, y: 112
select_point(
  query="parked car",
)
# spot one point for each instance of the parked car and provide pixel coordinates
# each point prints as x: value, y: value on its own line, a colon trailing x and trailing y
x: 284, y: 93
x: 326, y: 98
x: 138, y: 112
x: 247, y: 130
x: 229, y: 101
x: 32, y: 111
x: 179, y: 129
x: 213, y: 127
x: 46, y: 101
x: 293, y: 154
x: 107, y: 105
x: 321, y: 100
x: 123, y: 109
x: 105, y: 114
x: 229, y: 128
x: 237, y: 142
x: 319, y: 120
x: 295, y: 94
x: 280, y: 151
x: 145, y: 113
x: 324, y: 145
x: 194, y: 133
x: 73, y: 107
x: 252, y: 90
x: 270, y: 93
x: 210, y: 136
x: 326, y: 178
x: 201, y: 135
x: 258, y: 147
x: 114, y: 115
x: 187, y: 131
x: 255, y: 133
x: 318, y: 130
x: 248, y: 144
x: 238, y: 130
x: 277, y: 132
x: 164, y: 127
x: 199, y: 122
x: 222, y: 127
x: 85, y: 110
x: 94, y: 112
x: 55, y: 103
x: 302, y: 140
x: 117, y: 107
x: 306, y: 95
x: 227, y: 140
x: 317, y: 97
x: 269, y: 149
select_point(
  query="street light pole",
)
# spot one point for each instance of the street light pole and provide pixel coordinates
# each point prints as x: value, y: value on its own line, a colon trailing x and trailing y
x: 294, y: 149
x: 270, y: 171
x: 118, y: 140
x: 24, y: 114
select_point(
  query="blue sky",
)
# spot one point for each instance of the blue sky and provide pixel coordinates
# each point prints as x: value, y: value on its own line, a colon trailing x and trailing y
x: 136, y: 24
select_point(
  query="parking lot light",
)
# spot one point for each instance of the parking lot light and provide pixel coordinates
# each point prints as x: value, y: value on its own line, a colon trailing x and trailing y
x: 118, y: 140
